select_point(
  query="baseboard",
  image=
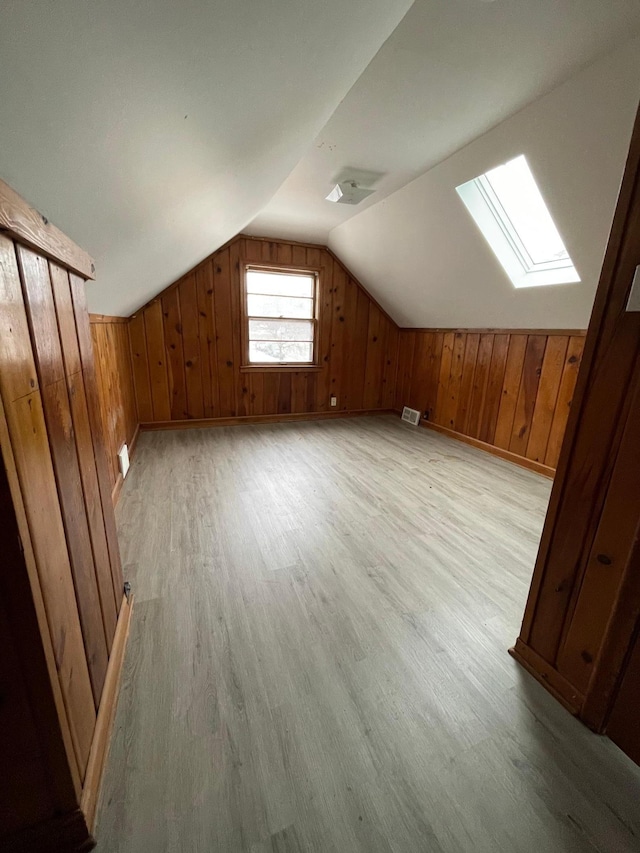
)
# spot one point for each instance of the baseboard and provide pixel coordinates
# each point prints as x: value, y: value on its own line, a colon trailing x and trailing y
x: 106, y: 715
x: 260, y: 419
x: 550, y: 678
x: 115, y: 492
x: 67, y: 833
x: 530, y: 464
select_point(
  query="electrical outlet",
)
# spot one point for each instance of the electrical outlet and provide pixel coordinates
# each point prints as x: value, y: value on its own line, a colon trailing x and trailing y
x: 334, y: 400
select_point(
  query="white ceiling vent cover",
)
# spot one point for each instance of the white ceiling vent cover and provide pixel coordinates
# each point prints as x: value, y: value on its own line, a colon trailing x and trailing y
x: 411, y: 416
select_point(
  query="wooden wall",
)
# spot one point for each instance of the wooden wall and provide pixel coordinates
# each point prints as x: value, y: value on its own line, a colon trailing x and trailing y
x: 509, y: 389
x: 62, y: 590
x: 583, y: 609
x: 110, y: 337
x: 185, y: 345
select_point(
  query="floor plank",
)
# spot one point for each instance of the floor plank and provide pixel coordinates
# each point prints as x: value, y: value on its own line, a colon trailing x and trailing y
x: 318, y: 658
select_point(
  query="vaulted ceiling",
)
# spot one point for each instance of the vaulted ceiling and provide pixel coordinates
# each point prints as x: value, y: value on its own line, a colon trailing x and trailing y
x: 151, y: 133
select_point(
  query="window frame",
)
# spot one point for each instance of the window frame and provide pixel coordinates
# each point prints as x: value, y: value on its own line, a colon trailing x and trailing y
x: 279, y: 367
x: 494, y: 224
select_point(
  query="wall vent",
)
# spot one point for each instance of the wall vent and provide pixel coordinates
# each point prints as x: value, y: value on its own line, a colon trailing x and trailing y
x: 123, y: 460
x: 411, y: 416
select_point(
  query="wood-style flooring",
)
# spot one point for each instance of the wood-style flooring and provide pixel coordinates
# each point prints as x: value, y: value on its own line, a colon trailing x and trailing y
x: 318, y: 655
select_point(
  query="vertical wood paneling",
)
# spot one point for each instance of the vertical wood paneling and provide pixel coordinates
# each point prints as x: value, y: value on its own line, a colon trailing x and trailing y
x: 157, y: 361
x: 186, y: 344
x: 193, y: 367
x: 118, y: 358
x: 531, y: 370
x: 510, y: 390
x: 140, y: 368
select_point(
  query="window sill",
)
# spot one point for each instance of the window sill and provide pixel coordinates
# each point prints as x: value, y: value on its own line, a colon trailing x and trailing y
x: 280, y: 368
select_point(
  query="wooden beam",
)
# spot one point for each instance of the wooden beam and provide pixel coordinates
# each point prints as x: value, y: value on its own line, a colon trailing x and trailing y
x: 26, y: 225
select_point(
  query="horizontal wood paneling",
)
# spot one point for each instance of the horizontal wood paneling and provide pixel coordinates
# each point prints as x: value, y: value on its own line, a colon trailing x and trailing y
x: 114, y: 365
x: 511, y: 389
x: 186, y: 344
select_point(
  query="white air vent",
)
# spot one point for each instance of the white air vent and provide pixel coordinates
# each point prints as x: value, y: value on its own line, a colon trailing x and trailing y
x: 411, y: 416
x: 123, y: 460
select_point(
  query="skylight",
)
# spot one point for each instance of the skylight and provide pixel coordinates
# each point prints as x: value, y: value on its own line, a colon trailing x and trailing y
x: 509, y: 210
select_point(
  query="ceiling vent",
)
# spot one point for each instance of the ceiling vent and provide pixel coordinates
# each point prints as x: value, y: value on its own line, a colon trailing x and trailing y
x: 353, y: 185
x: 348, y: 192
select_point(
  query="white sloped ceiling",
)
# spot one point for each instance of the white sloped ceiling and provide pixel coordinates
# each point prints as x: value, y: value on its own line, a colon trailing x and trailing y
x: 421, y: 254
x: 152, y: 132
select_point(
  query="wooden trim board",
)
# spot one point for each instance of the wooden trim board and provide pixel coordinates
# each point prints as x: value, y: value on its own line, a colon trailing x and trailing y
x: 201, y: 423
x: 490, y: 448
x: 572, y: 333
x: 106, y: 716
x: 26, y: 225
x: 107, y: 319
x: 549, y: 677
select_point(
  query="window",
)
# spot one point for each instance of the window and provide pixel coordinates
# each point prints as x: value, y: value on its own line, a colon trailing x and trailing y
x: 280, y: 317
x: 509, y: 210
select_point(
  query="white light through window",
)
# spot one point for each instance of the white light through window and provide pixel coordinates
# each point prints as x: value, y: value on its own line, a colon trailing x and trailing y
x: 509, y: 210
x: 280, y: 316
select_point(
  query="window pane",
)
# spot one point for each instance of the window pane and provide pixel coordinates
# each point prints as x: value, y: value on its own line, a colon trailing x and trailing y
x: 259, y: 305
x: 280, y: 351
x: 280, y: 330
x: 280, y: 284
x: 518, y: 193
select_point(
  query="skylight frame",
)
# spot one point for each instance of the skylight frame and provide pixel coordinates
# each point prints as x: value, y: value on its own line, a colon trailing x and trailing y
x: 484, y: 205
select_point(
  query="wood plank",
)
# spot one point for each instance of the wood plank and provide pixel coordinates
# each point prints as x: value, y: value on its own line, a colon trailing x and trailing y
x: 173, y: 340
x: 353, y: 369
x: 30, y: 445
x: 450, y: 405
x: 74, y: 517
x: 207, y: 338
x: 374, y: 364
x: 510, y: 390
x: 527, y: 394
x: 18, y: 374
x: 157, y: 360
x: 390, y: 367
x: 480, y: 384
x: 545, y: 407
x: 417, y: 396
x: 337, y: 333
x: 224, y: 324
x: 564, y: 400
x: 66, y: 319
x: 190, y: 324
x: 97, y: 430
x: 93, y: 503
x: 444, y: 377
x: 41, y: 313
x: 106, y: 716
x: 23, y: 595
x: 140, y: 368
x: 463, y: 410
x: 493, y: 396
x: 18, y: 219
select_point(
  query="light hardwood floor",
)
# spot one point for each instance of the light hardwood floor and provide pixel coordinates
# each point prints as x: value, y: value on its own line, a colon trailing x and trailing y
x: 318, y: 658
